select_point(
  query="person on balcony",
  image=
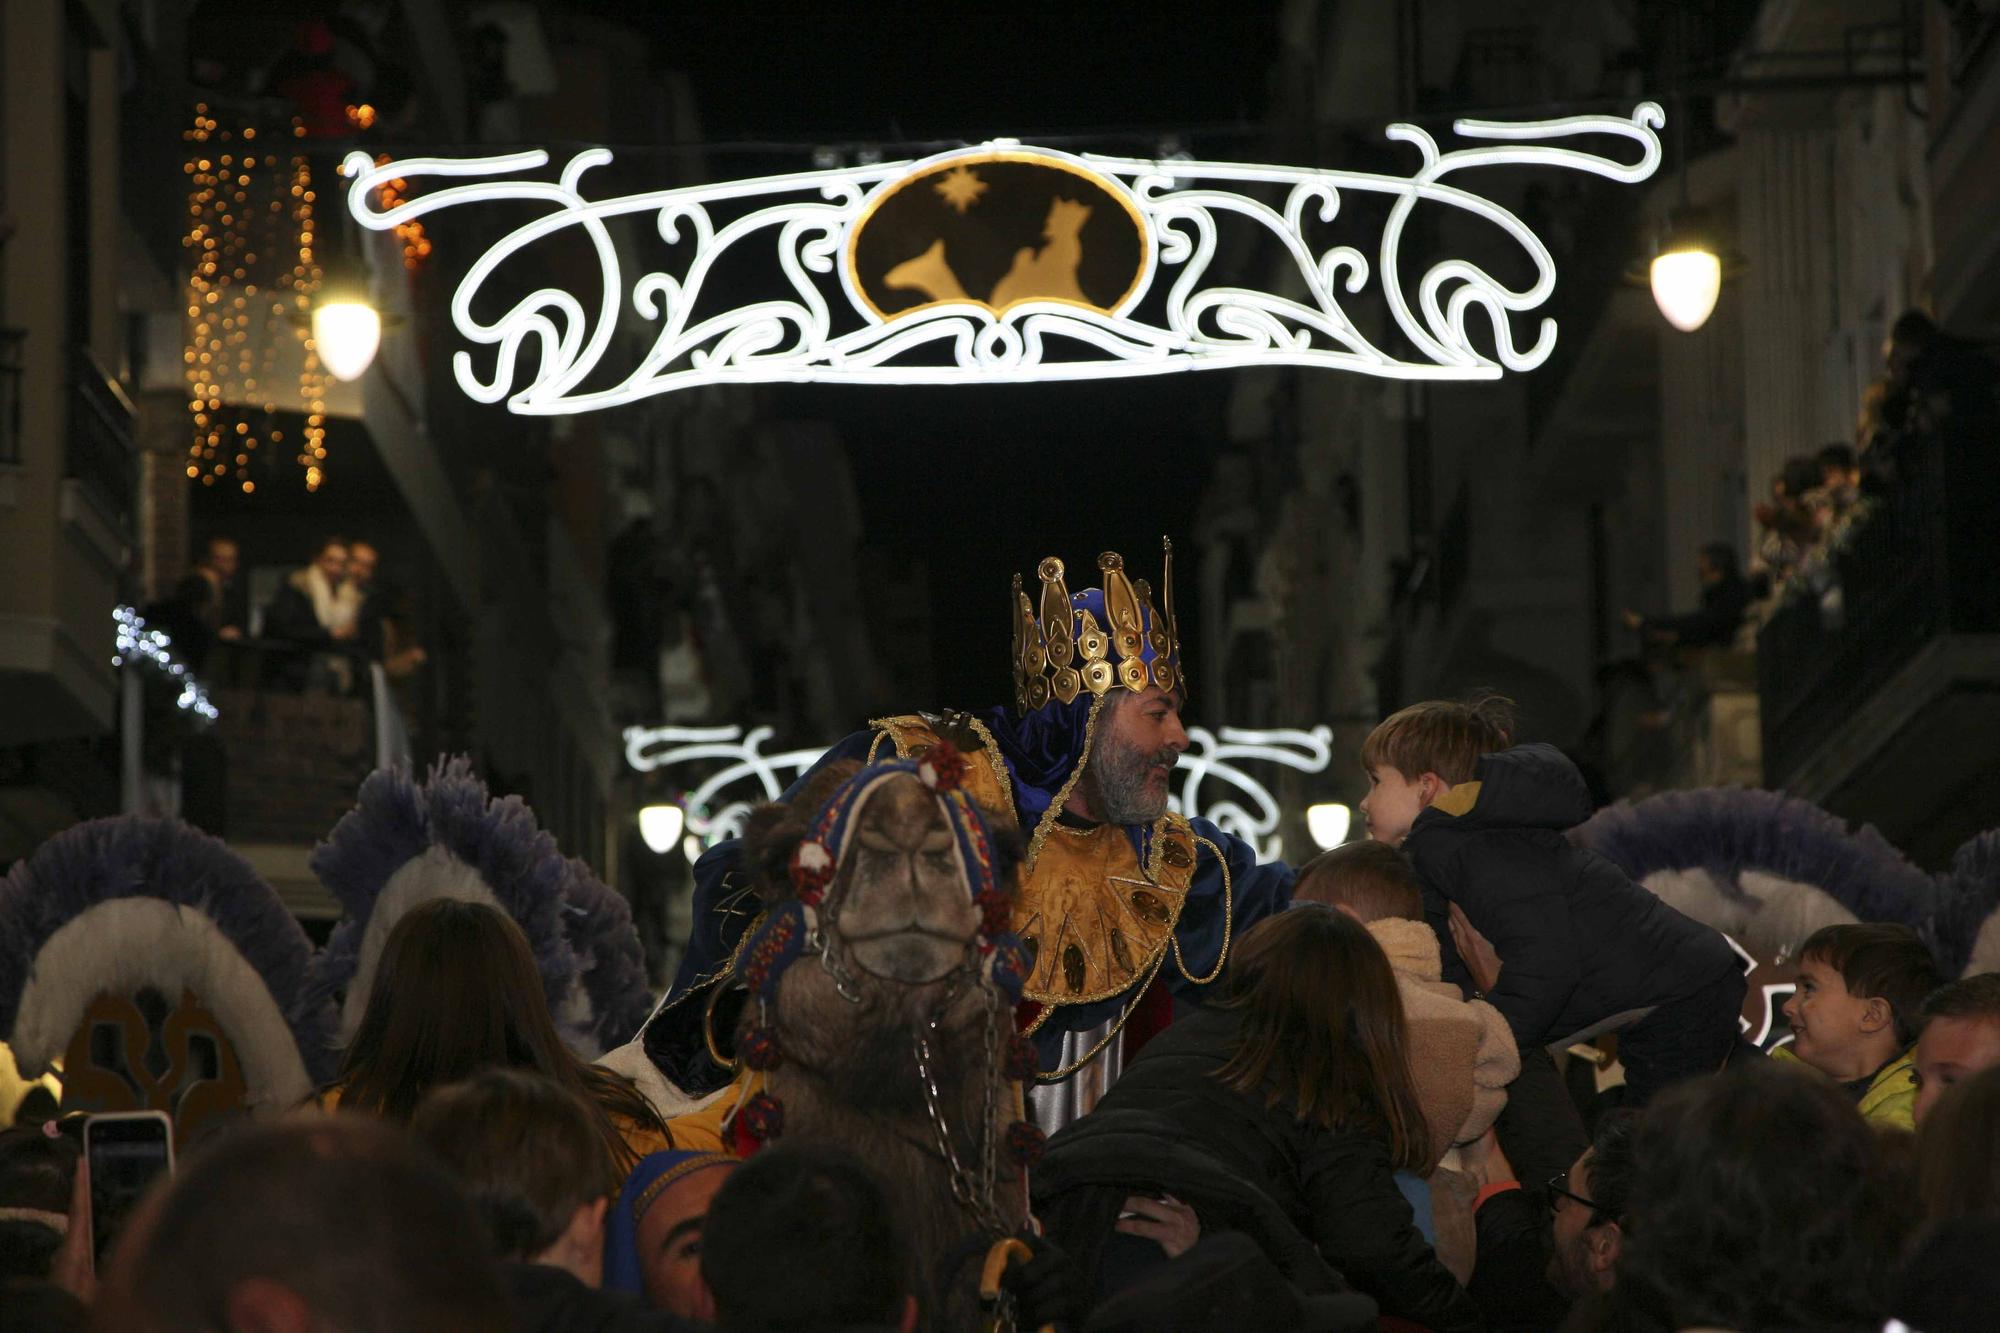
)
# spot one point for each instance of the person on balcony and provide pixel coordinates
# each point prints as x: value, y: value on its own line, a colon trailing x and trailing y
x: 314, y: 611
x: 380, y: 617
x: 1725, y: 597
x: 196, y: 613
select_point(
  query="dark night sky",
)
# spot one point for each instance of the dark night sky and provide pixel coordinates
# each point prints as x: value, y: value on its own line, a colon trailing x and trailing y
x: 982, y: 482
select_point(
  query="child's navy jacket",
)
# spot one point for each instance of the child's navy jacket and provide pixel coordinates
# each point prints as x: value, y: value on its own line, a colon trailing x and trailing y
x: 1582, y: 948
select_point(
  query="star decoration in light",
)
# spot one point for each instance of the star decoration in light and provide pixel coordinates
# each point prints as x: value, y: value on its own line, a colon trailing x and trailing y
x: 960, y: 187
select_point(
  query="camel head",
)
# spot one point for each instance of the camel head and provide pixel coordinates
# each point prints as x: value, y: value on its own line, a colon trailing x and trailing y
x: 892, y: 873
x: 903, y: 909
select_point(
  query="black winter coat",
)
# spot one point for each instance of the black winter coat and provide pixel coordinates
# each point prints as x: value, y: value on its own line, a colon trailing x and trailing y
x: 1579, y: 943
x: 1338, y: 1190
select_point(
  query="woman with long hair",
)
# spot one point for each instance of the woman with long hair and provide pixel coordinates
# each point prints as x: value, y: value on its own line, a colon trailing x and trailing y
x: 456, y: 992
x: 1284, y: 1110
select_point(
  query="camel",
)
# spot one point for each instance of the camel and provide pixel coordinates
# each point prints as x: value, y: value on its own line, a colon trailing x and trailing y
x: 929, y: 273
x: 896, y: 1042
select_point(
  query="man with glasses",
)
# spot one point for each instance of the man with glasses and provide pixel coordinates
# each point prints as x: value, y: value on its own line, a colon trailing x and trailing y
x: 1546, y: 1247
x: 1589, y: 1202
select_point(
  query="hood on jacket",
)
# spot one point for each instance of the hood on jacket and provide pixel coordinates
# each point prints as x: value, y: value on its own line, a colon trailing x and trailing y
x: 1529, y: 786
x: 1412, y: 947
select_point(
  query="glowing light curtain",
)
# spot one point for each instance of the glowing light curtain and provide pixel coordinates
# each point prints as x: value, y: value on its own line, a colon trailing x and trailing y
x: 252, y: 273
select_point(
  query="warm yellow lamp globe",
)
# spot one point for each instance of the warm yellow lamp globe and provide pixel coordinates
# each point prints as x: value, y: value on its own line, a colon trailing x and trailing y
x: 346, y: 335
x: 660, y: 826
x: 1686, y: 284
x: 1329, y: 823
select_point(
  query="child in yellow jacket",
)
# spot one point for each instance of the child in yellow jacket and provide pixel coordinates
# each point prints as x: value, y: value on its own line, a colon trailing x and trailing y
x: 1854, y: 1013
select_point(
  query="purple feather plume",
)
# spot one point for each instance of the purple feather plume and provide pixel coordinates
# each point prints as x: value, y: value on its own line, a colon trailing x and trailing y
x: 133, y: 856
x: 1968, y: 895
x: 575, y: 925
x: 1728, y: 830
x: 604, y: 939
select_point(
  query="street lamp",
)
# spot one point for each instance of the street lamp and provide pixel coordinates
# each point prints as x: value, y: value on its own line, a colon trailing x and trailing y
x: 347, y: 332
x: 1328, y: 823
x: 1686, y: 277
x: 660, y: 826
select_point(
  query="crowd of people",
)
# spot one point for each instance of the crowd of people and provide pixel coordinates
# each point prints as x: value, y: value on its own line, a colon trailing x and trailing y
x: 1355, y: 1122
x: 1930, y: 387
x: 322, y: 619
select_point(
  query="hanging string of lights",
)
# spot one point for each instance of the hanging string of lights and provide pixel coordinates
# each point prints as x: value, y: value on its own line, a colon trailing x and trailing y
x: 139, y: 643
x: 306, y: 278
x: 249, y: 203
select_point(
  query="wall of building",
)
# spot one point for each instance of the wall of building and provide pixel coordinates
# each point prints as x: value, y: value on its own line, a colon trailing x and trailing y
x: 64, y: 551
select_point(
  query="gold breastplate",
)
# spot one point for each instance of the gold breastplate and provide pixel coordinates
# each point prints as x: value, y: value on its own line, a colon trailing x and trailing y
x: 1095, y: 920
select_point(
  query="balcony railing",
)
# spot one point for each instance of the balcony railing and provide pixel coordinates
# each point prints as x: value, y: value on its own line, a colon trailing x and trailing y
x: 295, y: 730
x: 100, y: 454
x: 1913, y: 569
x: 10, y: 394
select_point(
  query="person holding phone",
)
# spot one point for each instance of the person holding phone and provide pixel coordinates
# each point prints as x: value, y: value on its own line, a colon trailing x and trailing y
x: 124, y: 1153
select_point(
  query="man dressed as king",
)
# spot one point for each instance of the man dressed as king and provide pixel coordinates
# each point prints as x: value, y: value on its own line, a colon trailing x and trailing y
x: 1126, y: 907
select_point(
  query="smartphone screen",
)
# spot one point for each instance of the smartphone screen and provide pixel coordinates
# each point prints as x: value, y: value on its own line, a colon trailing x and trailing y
x: 127, y: 1152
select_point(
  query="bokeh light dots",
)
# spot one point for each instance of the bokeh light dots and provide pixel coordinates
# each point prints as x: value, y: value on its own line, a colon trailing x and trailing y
x: 248, y: 204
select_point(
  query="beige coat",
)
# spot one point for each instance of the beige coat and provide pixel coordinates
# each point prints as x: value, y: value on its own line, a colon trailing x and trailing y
x: 1462, y: 1054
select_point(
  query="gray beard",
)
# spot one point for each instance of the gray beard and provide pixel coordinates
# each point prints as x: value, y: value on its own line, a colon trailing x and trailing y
x: 1114, y: 783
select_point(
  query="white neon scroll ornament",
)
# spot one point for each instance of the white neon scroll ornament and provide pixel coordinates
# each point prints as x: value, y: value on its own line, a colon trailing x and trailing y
x: 1250, y: 812
x: 547, y: 345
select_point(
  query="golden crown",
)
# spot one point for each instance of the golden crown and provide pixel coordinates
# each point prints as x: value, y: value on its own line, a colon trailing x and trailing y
x: 1067, y: 650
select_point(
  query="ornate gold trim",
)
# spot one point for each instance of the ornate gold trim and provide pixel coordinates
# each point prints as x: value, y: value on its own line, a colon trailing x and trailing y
x: 733, y: 1064
x: 1001, y: 773
x: 1090, y: 896
x: 1062, y: 796
x: 1058, y: 1075
x: 1228, y: 920
x: 913, y: 732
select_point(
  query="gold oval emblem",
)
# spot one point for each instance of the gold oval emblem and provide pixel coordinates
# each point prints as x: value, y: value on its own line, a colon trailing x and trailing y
x: 1149, y: 906
x: 1120, y: 954
x: 1098, y: 676
x: 1175, y: 854
x: 1073, y: 968
x: 997, y: 229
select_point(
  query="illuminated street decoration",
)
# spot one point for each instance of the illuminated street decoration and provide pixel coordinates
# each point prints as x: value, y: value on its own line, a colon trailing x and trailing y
x: 140, y: 644
x: 746, y: 766
x: 717, y: 808
x: 995, y: 263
